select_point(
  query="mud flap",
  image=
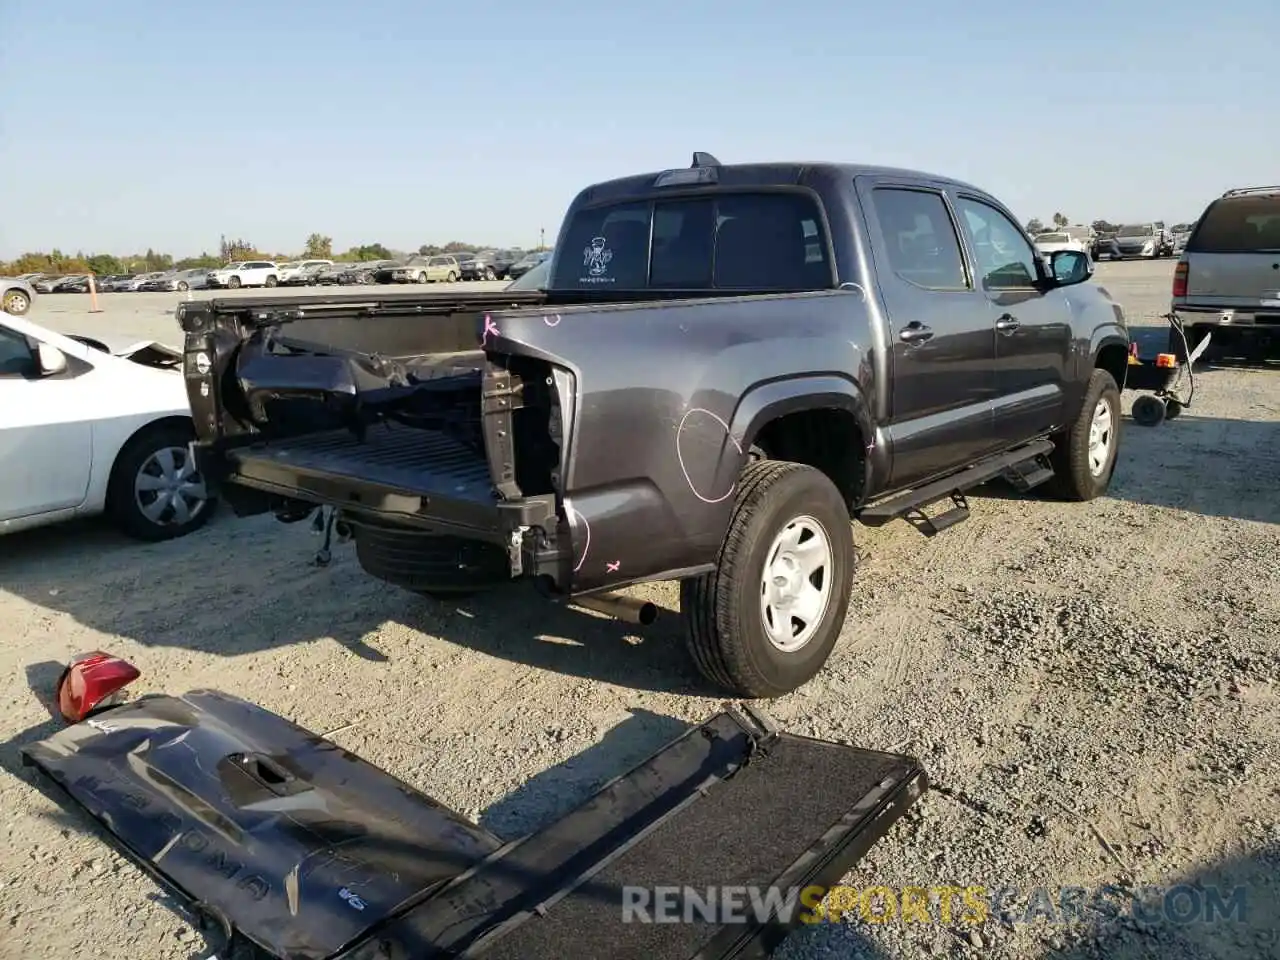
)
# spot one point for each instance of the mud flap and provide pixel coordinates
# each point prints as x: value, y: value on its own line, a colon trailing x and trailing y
x: 302, y: 851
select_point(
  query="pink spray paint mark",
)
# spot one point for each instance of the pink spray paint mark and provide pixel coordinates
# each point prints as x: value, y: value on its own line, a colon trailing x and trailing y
x: 490, y: 328
x: 612, y: 566
x: 552, y: 321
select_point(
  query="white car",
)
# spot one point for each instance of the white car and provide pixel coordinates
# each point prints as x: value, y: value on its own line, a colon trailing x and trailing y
x: 1048, y: 243
x: 247, y: 273
x: 85, y: 429
x: 294, y: 271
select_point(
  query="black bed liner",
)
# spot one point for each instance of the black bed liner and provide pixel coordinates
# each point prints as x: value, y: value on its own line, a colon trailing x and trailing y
x: 305, y: 852
x: 423, y: 477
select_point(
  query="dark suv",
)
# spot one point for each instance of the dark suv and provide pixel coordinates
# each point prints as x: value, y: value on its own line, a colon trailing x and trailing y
x: 1227, y: 280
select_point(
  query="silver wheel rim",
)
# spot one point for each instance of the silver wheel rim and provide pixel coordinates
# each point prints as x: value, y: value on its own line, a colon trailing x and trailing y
x: 1101, y: 433
x: 795, y: 588
x: 15, y: 301
x: 167, y: 489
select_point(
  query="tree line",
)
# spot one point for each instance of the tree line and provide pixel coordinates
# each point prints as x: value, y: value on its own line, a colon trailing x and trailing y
x: 1036, y: 225
x: 317, y: 247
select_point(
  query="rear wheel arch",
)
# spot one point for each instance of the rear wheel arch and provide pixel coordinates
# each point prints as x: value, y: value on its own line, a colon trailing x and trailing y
x: 1110, y: 352
x: 822, y: 422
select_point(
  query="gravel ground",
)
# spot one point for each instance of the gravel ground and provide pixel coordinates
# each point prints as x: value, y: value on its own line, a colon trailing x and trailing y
x: 1093, y: 688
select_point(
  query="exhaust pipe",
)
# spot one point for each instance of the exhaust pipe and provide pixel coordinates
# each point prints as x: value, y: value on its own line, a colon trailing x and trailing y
x: 620, y: 607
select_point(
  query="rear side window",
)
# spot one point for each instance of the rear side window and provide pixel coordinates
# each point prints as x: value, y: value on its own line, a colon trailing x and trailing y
x: 920, y: 238
x: 726, y: 241
x: 1238, y: 225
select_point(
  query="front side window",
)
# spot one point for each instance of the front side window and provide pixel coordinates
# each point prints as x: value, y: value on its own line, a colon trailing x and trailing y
x: 16, y: 356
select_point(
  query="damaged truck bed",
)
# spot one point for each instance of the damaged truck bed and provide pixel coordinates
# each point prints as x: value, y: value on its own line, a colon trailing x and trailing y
x: 287, y: 846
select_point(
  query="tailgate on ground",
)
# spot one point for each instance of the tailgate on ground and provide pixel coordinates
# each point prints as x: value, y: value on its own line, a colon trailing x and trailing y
x: 310, y: 853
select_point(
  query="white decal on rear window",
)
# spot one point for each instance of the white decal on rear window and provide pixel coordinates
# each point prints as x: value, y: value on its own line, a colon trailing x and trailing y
x: 596, y: 259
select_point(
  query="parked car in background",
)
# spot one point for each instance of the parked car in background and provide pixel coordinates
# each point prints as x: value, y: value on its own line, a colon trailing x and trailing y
x: 527, y: 263
x: 135, y: 283
x: 193, y: 278
x: 297, y: 272
x: 1142, y: 240
x: 364, y: 272
x: 16, y: 296
x: 114, y: 282
x: 46, y: 284
x: 479, y: 266
x: 328, y: 276
x: 535, y: 279
x: 1227, y: 280
x: 247, y: 273
x: 1048, y: 243
x: 413, y: 270
x: 443, y: 268
x: 76, y: 283
x: 87, y: 429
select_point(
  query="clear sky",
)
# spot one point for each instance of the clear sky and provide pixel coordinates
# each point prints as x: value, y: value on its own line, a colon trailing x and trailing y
x: 164, y: 124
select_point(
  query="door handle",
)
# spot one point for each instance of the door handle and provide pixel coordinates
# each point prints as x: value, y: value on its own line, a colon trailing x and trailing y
x: 914, y: 332
x: 1007, y: 323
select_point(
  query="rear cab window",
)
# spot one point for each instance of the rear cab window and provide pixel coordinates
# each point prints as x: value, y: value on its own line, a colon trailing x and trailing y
x: 1238, y: 225
x: 771, y: 241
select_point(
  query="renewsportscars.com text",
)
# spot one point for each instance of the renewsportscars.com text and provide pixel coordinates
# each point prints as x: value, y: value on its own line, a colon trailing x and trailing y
x: 1180, y: 904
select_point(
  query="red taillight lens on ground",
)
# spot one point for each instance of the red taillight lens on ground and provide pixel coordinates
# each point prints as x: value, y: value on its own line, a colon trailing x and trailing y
x: 1180, y: 280
x: 92, y: 680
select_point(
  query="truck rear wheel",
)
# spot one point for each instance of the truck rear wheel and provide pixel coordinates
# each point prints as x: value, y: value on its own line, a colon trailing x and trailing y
x: 765, y: 621
x: 1084, y: 455
x: 433, y: 565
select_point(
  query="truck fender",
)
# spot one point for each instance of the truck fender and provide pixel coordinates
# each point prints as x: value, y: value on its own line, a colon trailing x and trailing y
x: 771, y: 400
x: 1108, y: 348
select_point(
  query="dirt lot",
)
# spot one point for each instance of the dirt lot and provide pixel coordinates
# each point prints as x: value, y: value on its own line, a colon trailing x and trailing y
x: 1095, y: 689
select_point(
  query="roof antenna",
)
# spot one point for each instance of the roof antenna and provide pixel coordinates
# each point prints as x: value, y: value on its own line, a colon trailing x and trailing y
x: 701, y: 159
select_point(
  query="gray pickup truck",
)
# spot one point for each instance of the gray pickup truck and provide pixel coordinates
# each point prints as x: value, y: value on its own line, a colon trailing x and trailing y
x: 728, y: 364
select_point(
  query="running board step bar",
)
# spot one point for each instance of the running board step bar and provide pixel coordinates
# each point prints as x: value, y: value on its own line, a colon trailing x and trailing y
x: 1029, y: 473
x: 1025, y: 467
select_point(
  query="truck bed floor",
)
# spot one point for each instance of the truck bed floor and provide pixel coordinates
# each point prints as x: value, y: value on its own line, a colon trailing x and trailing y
x: 392, y: 456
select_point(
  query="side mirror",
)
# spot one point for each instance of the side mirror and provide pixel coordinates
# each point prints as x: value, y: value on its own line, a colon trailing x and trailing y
x: 1070, y: 267
x: 51, y: 360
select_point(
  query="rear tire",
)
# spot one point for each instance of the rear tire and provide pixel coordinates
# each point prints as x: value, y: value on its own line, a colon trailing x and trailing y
x: 1084, y: 456
x: 451, y: 278
x: 433, y: 565
x: 272, y: 281
x: 234, y: 283
x: 422, y: 277
x: 725, y: 611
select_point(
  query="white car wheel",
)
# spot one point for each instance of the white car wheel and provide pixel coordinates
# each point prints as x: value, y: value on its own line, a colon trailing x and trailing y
x: 156, y: 492
x: 16, y: 302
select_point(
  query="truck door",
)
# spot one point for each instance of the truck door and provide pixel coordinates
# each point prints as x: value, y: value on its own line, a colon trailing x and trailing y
x: 941, y: 329
x: 1033, y: 325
